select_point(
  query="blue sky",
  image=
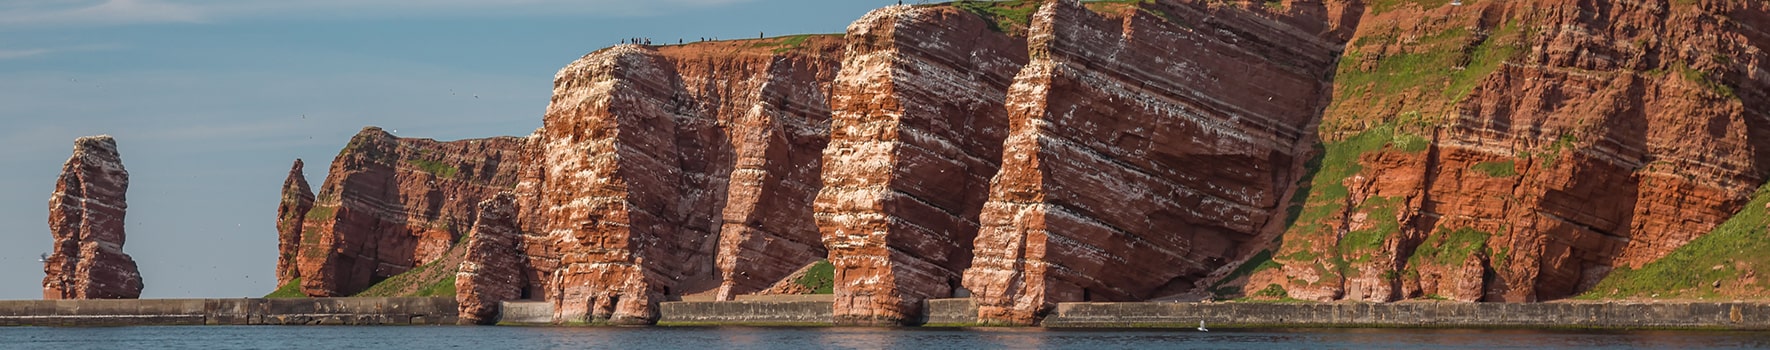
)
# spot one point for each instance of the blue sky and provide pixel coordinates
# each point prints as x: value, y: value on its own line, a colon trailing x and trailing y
x: 210, y: 101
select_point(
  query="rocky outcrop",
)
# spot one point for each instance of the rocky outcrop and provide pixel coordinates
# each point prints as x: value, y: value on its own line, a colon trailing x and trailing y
x: 86, y: 218
x: 679, y: 170
x: 390, y: 204
x: 492, y: 270
x: 1520, y: 151
x: 1146, y: 148
x: 916, y: 133
x: 297, y: 201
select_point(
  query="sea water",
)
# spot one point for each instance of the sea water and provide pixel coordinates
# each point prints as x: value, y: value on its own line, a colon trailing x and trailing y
x: 707, y: 338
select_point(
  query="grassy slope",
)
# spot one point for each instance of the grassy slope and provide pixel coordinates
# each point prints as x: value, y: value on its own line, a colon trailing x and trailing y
x: 820, y: 278
x: 433, y: 279
x: 1434, y: 73
x: 1730, y: 253
x: 288, y: 290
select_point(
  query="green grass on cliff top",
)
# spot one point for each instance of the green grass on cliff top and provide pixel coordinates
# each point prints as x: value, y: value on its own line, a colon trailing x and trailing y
x: 1015, y: 16
x: 1726, y: 254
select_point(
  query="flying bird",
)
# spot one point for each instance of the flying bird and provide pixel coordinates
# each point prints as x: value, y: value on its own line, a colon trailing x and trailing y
x: 1201, y: 326
x: 43, y: 258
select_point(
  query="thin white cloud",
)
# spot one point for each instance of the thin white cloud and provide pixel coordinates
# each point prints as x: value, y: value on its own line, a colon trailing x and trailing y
x: 11, y: 54
x: 23, y: 13
x: 104, y: 12
x: 7, y: 54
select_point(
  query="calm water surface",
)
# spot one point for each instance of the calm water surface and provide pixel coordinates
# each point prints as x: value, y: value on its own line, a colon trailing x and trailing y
x: 439, y: 337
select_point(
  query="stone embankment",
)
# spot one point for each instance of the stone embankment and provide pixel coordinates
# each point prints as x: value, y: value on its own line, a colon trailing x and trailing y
x: 1718, y: 315
x: 316, y: 311
x: 960, y: 312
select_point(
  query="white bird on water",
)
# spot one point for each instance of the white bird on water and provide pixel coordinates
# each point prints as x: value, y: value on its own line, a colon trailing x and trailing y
x: 1201, y: 326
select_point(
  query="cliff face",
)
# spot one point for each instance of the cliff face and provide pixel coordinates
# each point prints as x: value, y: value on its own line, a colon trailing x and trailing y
x: 86, y: 218
x: 674, y: 171
x: 1101, y: 151
x: 493, y: 266
x: 1521, y: 151
x: 1147, y: 147
x: 297, y: 201
x: 390, y: 204
x: 917, y: 130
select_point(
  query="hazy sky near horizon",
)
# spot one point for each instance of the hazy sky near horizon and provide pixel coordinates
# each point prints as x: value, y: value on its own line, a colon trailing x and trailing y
x: 211, y: 100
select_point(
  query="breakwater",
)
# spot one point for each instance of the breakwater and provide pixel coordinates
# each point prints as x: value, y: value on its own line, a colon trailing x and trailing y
x: 313, y: 311
x: 1622, y: 315
x: 963, y: 312
x: 939, y: 312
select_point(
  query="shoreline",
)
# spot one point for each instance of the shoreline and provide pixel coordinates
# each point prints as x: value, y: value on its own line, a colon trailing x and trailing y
x: 941, y: 313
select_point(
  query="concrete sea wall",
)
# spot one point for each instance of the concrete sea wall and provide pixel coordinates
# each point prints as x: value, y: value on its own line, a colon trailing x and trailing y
x: 784, y: 313
x: 136, y: 312
x: 1721, y: 315
x: 525, y: 313
x: 939, y: 312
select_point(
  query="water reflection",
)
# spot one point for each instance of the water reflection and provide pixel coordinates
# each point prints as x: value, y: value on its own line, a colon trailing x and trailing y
x: 708, y: 338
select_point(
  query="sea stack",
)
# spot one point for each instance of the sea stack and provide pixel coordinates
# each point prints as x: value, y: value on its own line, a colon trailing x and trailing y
x: 491, y: 272
x: 86, y: 217
x: 297, y: 201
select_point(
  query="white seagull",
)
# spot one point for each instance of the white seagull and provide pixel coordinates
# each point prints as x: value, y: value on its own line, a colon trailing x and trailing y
x: 43, y: 258
x: 1201, y: 326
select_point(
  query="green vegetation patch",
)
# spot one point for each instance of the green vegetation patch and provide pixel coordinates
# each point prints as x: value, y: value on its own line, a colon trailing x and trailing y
x: 1701, y: 78
x: 1450, y: 63
x: 788, y: 43
x: 1381, y: 211
x: 1450, y: 247
x: 1381, y: 6
x: 820, y: 279
x: 321, y: 212
x: 444, y: 287
x: 1272, y: 291
x: 1324, y: 196
x: 1725, y: 254
x: 1553, y: 153
x: 1500, y: 169
x: 1011, y: 17
x: 440, y: 169
x: 1261, y: 261
x: 431, y: 279
x: 288, y: 290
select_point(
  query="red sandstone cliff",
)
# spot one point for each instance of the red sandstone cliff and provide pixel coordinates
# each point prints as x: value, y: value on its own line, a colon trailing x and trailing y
x: 672, y: 171
x: 1146, y: 148
x: 493, y: 267
x: 1519, y: 151
x: 916, y: 133
x: 297, y: 201
x: 1501, y: 151
x: 389, y: 204
x: 86, y: 217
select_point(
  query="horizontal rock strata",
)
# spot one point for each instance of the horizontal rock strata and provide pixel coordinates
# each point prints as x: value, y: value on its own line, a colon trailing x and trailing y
x: 917, y: 130
x: 390, y: 204
x: 681, y: 170
x: 1146, y: 149
x: 1520, y: 151
x: 491, y: 272
x: 86, y: 219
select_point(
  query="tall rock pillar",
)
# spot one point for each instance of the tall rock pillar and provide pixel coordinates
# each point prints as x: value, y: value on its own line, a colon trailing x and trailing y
x: 86, y: 217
